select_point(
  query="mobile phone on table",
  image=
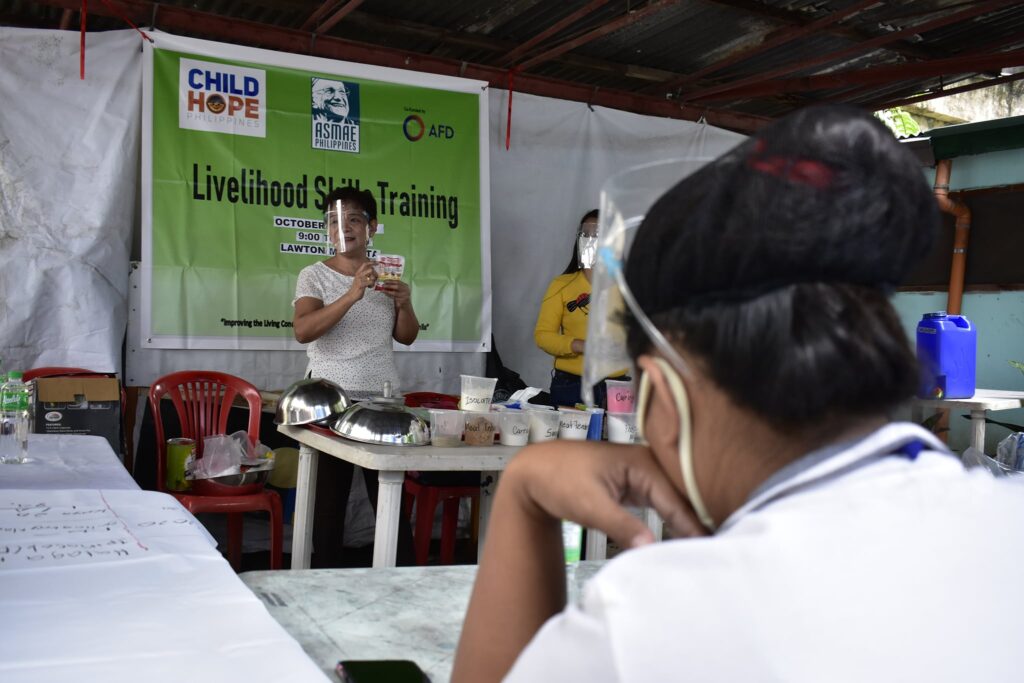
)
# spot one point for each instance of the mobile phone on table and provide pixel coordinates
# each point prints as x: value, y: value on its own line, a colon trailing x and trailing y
x: 380, y: 671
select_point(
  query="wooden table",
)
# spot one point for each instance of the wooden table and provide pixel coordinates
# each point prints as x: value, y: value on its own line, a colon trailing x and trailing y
x: 978, y: 405
x: 392, y: 463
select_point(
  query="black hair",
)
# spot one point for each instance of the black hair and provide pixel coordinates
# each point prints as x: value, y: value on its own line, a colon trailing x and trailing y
x: 363, y: 198
x: 574, y: 264
x: 773, y: 266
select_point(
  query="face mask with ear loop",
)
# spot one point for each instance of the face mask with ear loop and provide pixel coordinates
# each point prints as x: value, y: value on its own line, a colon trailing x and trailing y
x: 586, y: 249
x: 625, y: 199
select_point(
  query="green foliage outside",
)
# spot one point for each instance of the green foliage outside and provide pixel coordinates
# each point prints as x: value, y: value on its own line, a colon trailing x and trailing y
x: 899, y: 121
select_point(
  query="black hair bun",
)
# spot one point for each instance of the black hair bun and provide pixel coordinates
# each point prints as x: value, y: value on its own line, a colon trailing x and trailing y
x: 826, y: 194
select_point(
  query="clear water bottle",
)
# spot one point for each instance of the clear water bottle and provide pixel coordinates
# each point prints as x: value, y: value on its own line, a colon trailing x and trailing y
x: 15, y: 419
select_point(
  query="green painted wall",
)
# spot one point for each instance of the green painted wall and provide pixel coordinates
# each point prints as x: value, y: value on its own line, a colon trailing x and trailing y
x: 984, y: 170
x: 999, y: 318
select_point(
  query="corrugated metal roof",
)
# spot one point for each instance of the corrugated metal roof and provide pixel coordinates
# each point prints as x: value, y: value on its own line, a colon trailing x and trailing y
x: 637, y: 52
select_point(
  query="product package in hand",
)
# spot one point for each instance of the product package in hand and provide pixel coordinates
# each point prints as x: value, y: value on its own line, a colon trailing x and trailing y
x: 389, y: 268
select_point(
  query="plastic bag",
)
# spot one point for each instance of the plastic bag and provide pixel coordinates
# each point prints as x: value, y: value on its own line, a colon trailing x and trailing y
x: 1010, y: 451
x: 223, y: 454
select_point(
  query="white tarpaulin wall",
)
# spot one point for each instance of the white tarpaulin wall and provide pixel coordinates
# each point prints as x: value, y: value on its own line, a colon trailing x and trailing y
x: 69, y: 173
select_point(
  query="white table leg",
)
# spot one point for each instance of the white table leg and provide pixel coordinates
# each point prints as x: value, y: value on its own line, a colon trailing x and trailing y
x: 389, y: 509
x: 978, y: 429
x: 597, y: 545
x: 654, y: 523
x: 305, y: 499
x: 489, y: 485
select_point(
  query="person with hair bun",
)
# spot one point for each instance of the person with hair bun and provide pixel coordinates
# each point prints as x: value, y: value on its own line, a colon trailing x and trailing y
x: 815, y: 538
x: 348, y: 326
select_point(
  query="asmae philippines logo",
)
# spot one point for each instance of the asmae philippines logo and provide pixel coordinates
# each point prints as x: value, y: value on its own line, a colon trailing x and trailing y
x: 415, y: 128
x: 334, y: 108
x: 222, y: 98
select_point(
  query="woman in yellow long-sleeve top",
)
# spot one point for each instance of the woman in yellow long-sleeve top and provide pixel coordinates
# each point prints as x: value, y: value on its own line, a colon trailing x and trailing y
x: 562, y: 322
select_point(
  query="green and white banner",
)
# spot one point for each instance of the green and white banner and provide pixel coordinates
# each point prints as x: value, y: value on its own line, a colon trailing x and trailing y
x: 240, y: 146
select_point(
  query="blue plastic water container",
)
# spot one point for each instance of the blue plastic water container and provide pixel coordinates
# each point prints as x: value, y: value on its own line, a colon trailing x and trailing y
x: 947, y: 351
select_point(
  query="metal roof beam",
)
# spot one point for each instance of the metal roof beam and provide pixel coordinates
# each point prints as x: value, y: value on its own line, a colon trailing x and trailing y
x: 333, y: 20
x: 319, y: 13
x: 238, y: 31
x: 569, y: 20
x: 631, y: 17
x: 397, y: 27
x: 990, y: 83
x: 883, y: 74
x: 798, y: 18
x: 738, y: 86
x: 780, y: 38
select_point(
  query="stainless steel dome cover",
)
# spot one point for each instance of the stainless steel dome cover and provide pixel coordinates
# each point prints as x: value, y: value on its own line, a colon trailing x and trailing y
x: 383, y: 420
x: 311, y: 400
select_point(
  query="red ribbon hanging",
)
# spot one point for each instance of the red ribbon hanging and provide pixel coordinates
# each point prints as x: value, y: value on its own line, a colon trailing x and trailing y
x: 508, y: 117
x: 81, y: 45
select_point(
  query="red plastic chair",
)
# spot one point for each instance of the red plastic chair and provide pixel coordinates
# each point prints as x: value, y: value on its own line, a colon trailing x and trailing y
x: 203, y: 401
x: 426, y: 496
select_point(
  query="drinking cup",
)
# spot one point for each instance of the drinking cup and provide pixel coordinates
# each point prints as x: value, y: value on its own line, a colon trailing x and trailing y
x: 515, y: 427
x: 477, y: 393
x: 620, y: 396
x: 446, y: 427
x: 544, y: 425
x: 622, y: 428
x: 573, y: 424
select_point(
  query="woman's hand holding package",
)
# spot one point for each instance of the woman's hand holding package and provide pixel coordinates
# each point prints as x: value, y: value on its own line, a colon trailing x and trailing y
x: 590, y: 483
x: 364, y: 278
x: 397, y: 290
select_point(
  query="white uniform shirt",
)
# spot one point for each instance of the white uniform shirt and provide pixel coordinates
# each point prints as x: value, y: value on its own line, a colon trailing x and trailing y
x: 861, y: 568
x: 356, y: 353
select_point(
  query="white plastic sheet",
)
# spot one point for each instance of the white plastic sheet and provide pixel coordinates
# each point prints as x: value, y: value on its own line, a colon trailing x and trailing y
x: 68, y: 180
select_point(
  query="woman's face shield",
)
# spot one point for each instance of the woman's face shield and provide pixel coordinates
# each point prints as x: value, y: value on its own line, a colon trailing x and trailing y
x: 625, y: 200
x: 345, y: 225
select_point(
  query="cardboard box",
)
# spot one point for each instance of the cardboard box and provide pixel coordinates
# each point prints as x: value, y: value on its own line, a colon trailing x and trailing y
x: 79, y: 405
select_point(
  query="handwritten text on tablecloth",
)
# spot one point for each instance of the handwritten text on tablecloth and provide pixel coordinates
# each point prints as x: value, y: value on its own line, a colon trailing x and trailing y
x: 56, y: 528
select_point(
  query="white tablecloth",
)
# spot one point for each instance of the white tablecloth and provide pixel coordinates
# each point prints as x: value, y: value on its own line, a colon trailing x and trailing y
x: 118, y: 584
x: 67, y: 462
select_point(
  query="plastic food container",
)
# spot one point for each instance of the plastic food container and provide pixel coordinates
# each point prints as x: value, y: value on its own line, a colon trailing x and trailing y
x: 480, y: 428
x: 622, y: 428
x: 544, y: 425
x: 573, y: 424
x: 515, y: 427
x: 620, y: 396
x: 446, y: 427
x: 477, y: 393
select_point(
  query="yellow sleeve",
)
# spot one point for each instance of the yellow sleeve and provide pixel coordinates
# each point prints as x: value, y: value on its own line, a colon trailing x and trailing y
x: 548, y: 331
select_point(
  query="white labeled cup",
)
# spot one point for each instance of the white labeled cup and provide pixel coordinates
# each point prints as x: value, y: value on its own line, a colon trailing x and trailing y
x: 622, y: 428
x: 477, y: 393
x: 573, y: 424
x: 544, y: 425
x: 515, y: 427
x: 446, y: 427
x: 620, y: 396
x: 480, y: 428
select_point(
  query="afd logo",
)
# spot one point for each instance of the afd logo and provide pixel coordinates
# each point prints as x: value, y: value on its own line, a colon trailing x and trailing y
x: 221, y: 98
x: 415, y: 129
